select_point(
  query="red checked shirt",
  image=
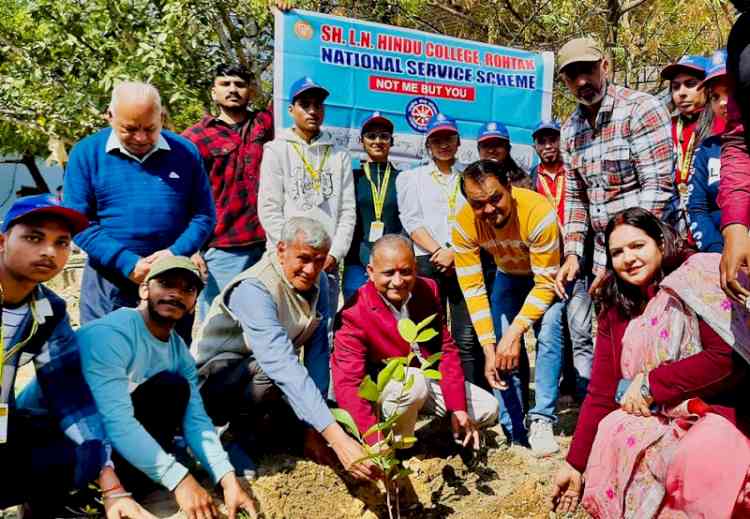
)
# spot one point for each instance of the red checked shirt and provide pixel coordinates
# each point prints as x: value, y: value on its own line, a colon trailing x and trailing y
x: 625, y: 161
x: 232, y: 160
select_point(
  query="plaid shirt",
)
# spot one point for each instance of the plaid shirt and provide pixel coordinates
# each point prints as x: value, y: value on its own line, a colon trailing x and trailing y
x: 625, y: 161
x: 233, y: 163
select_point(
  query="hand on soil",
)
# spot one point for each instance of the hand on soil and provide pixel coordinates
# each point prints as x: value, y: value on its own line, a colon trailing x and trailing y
x: 236, y: 498
x: 194, y: 500
x: 567, y: 491
x: 462, y: 424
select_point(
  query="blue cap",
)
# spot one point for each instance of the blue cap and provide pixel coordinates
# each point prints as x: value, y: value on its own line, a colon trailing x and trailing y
x: 441, y: 122
x: 46, y: 204
x: 376, y: 117
x: 717, y: 67
x: 546, y: 125
x: 493, y: 130
x: 304, y: 84
x: 695, y: 65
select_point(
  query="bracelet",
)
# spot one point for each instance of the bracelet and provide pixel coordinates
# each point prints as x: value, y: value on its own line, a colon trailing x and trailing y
x: 104, y: 491
x: 118, y: 494
x: 436, y: 251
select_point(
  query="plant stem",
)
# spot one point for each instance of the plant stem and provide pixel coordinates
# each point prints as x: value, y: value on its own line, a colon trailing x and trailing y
x: 388, y: 498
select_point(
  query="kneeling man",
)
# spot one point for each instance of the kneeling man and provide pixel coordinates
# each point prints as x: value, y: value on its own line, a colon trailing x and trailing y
x: 144, y: 383
x: 367, y: 335
x: 264, y: 343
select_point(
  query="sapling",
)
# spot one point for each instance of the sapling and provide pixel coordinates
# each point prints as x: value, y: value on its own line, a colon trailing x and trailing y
x: 383, y: 453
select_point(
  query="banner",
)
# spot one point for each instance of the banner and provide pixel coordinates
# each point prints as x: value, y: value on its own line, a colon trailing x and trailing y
x: 409, y: 75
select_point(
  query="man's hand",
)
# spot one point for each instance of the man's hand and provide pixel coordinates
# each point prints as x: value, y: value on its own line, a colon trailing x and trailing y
x: 283, y: 5
x: 121, y: 507
x: 508, y: 350
x: 567, y: 489
x: 316, y: 448
x: 349, y: 452
x: 632, y: 401
x: 463, y: 425
x: 194, y: 500
x: 490, y: 369
x: 330, y: 264
x: 200, y: 263
x: 235, y: 497
x: 156, y: 256
x: 443, y: 259
x: 565, y: 275
x: 140, y: 271
x: 736, y: 255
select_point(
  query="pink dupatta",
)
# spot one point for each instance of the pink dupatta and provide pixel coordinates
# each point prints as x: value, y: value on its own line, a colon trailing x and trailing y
x: 652, y: 467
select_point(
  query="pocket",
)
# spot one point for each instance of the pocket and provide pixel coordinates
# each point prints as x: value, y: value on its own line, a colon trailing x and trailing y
x: 618, y: 169
x: 223, y: 150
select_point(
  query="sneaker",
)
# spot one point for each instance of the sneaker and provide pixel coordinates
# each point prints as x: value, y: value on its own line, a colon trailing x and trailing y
x: 542, y: 439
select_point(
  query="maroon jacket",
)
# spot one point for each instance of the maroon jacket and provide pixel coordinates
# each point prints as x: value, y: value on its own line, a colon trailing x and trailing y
x: 734, y: 188
x: 716, y: 375
x: 367, y: 335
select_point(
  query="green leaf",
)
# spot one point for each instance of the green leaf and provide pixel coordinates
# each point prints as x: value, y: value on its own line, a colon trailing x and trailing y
x: 368, y: 390
x: 399, y: 373
x: 432, y: 373
x: 404, y: 472
x: 386, y: 374
x: 343, y: 416
x: 427, y: 335
x: 409, y: 383
x: 432, y: 359
x: 405, y: 443
x: 408, y: 330
x: 424, y: 322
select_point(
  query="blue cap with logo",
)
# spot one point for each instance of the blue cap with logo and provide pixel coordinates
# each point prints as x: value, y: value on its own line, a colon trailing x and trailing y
x: 551, y: 125
x: 305, y: 84
x: 493, y: 130
x: 45, y: 204
x: 717, y: 67
x: 691, y: 64
x: 441, y: 122
x: 377, y: 118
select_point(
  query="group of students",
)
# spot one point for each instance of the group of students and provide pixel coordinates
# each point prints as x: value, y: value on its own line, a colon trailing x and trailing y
x: 272, y: 223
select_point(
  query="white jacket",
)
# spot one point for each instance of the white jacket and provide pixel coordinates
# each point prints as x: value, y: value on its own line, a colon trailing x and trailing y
x: 286, y: 188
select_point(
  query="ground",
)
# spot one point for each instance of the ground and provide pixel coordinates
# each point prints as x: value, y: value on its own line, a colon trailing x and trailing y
x: 502, y: 483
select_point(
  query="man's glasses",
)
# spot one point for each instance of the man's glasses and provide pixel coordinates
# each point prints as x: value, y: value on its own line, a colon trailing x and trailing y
x: 373, y: 136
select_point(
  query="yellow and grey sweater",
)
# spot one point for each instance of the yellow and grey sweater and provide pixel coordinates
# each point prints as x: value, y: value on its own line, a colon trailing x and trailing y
x: 527, y: 245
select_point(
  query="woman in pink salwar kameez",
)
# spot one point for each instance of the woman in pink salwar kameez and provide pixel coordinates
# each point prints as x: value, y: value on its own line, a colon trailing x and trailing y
x: 673, y: 350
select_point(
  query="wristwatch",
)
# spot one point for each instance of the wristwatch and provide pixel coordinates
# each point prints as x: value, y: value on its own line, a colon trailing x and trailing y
x: 646, y: 390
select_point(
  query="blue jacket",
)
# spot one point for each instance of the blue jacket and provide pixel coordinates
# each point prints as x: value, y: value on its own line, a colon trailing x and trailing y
x: 703, y: 211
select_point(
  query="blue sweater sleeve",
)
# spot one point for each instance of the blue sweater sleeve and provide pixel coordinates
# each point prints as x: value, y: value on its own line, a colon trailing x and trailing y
x: 274, y: 351
x: 318, y: 352
x: 701, y: 204
x: 204, y: 211
x: 79, y: 194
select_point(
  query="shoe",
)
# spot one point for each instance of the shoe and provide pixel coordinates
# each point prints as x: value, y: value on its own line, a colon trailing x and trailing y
x: 542, y: 439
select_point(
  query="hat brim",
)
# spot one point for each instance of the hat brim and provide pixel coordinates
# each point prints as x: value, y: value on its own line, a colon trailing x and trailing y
x: 490, y: 136
x: 186, y: 271
x: 442, y: 128
x: 712, y: 77
x: 587, y: 58
x: 543, y: 129
x: 670, y: 71
x: 324, y: 93
x: 77, y: 221
x: 377, y: 120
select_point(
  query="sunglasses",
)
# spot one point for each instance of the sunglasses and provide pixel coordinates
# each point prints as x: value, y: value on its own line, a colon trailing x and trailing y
x: 373, y: 136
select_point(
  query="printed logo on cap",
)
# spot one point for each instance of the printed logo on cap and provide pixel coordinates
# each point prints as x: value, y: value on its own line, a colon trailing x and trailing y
x: 419, y: 111
x: 491, y: 127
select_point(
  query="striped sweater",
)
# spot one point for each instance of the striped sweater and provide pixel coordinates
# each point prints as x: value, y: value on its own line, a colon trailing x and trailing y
x: 528, y: 245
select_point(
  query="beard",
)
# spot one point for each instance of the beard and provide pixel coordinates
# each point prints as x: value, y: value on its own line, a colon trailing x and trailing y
x: 596, y: 99
x: 155, y: 316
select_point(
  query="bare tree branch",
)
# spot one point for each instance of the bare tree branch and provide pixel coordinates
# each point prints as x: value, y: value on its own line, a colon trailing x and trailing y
x: 630, y: 5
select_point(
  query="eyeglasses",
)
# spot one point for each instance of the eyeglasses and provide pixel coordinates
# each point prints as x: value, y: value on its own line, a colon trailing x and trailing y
x: 373, y: 136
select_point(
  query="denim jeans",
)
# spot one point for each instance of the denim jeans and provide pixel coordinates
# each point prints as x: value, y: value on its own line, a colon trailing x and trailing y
x: 355, y: 276
x: 579, y: 310
x: 508, y: 295
x: 223, y: 265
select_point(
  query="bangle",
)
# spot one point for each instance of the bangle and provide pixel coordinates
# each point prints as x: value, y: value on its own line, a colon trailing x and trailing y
x: 118, y: 494
x: 117, y: 486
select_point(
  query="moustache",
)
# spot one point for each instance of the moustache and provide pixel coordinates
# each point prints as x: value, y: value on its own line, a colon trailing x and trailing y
x: 45, y: 264
x: 172, y: 302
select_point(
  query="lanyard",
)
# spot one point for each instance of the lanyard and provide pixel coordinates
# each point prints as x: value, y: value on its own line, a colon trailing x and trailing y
x: 314, y: 173
x: 6, y: 356
x: 450, y: 192
x: 685, y: 159
x: 378, y: 192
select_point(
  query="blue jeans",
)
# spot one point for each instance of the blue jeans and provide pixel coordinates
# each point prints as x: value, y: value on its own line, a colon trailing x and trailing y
x: 579, y: 310
x: 223, y: 265
x: 355, y: 276
x: 508, y: 295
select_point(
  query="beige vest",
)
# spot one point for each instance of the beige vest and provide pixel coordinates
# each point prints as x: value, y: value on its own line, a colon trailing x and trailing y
x: 220, y: 341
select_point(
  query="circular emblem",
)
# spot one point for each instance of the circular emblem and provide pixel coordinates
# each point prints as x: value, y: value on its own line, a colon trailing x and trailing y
x: 303, y: 30
x: 419, y: 111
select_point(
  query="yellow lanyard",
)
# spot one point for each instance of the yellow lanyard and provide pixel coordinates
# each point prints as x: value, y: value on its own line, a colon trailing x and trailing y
x: 314, y: 173
x: 378, y: 192
x: 684, y: 160
x: 450, y: 192
x: 6, y: 356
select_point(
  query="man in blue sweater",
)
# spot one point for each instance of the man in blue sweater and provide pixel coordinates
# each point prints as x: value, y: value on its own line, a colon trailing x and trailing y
x: 144, y: 383
x: 146, y: 193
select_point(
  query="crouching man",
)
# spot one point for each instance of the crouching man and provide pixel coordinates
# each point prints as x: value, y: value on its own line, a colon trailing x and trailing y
x: 144, y: 383
x: 251, y: 344
x: 367, y: 335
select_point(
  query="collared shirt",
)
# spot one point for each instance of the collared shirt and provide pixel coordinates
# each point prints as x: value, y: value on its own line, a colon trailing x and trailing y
x: 550, y: 184
x: 625, y: 161
x: 399, y: 314
x: 114, y: 144
x: 232, y: 158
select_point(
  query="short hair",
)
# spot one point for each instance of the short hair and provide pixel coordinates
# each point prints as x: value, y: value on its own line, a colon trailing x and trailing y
x: 136, y: 91
x: 481, y: 169
x: 389, y: 240
x: 233, y: 69
x: 310, y: 232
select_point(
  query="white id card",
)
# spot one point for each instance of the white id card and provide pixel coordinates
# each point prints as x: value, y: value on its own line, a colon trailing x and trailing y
x: 3, y: 423
x: 376, y: 230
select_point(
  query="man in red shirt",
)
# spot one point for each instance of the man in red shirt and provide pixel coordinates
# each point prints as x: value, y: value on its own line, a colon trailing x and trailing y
x: 231, y: 145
